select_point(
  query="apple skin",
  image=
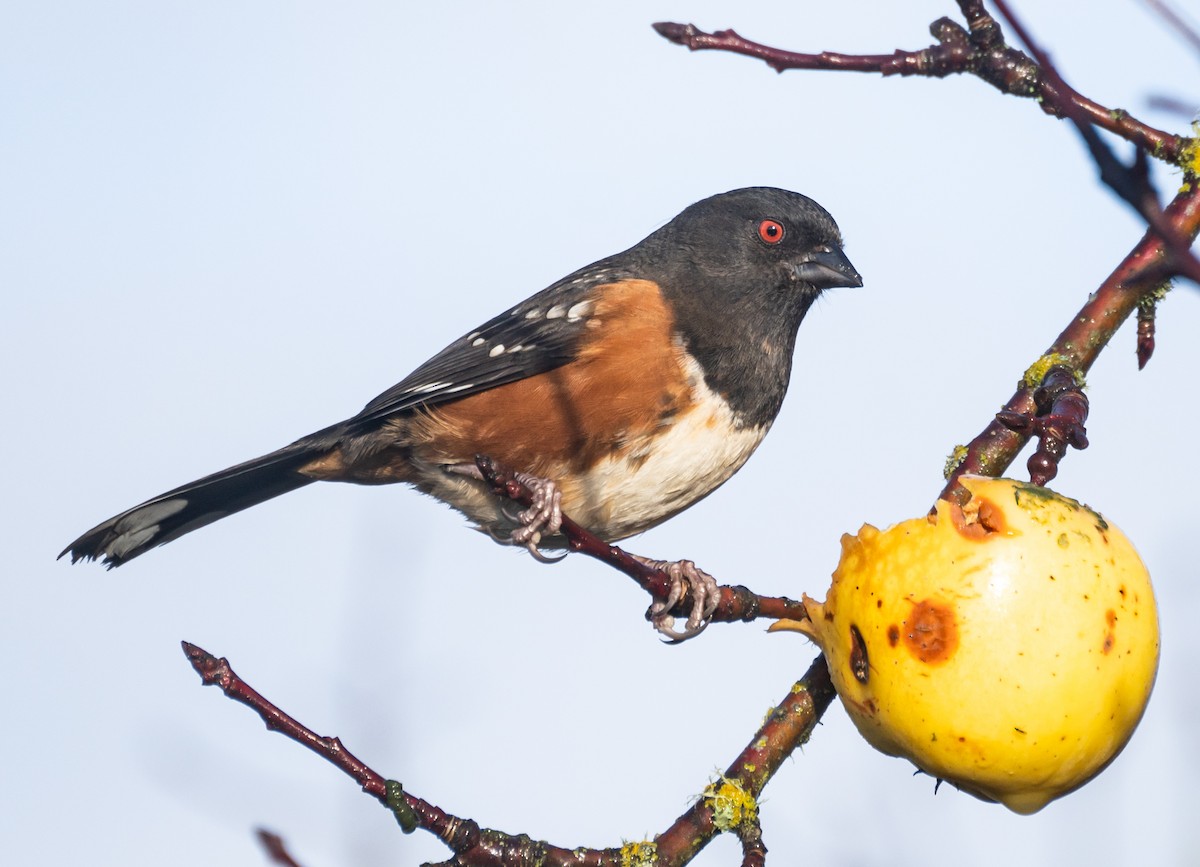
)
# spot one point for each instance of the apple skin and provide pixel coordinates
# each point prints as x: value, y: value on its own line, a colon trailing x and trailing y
x: 1008, y: 647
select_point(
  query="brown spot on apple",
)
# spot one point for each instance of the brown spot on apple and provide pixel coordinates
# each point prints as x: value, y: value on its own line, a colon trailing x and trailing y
x: 978, y: 519
x: 931, y: 632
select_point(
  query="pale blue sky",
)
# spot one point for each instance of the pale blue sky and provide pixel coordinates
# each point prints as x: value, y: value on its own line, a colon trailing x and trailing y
x: 228, y: 224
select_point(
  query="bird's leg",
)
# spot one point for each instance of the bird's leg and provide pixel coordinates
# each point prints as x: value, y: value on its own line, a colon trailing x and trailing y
x: 544, y: 514
x: 705, y: 596
x: 542, y: 518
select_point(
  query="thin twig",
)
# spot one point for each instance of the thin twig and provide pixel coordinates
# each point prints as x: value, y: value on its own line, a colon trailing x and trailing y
x: 982, y: 51
x: 1080, y: 343
x: 957, y: 52
x: 1060, y: 421
x: 1131, y: 183
x: 736, y: 603
x: 787, y: 727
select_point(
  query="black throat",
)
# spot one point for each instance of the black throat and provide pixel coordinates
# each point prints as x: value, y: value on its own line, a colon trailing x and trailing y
x: 745, y: 347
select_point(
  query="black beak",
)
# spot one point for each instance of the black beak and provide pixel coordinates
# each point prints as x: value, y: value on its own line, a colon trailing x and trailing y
x: 827, y: 269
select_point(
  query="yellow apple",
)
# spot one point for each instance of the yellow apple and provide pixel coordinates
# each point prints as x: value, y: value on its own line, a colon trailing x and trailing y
x: 1008, y: 647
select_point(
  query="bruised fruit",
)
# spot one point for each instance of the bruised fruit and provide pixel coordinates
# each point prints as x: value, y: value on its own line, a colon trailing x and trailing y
x: 1008, y: 647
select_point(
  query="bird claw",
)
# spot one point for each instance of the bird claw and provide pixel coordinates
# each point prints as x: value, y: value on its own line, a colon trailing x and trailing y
x: 542, y: 557
x: 542, y: 518
x: 705, y: 596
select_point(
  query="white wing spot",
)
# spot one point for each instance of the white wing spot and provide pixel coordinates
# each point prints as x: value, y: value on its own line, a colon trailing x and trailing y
x: 579, y: 311
x: 533, y: 314
x: 478, y: 341
x: 498, y: 349
x: 426, y: 388
x: 590, y: 278
x: 556, y: 312
x: 516, y: 348
x: 462, y: 387
x: 472, y: 335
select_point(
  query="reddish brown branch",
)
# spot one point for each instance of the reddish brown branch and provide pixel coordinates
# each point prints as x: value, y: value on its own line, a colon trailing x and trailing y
x: 897, y: 63
x: 471, y: 844
x: 1081, y: 342
x: 1131, y: 183
x: 982, y: 51
x: 1062, y: 411
x: 217, y: 672
x: 979, y: 52
x: 736, y: 603
x: 754, y: 851
x: 787, y: 727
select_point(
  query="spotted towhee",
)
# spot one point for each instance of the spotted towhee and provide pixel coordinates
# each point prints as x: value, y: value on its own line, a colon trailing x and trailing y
x: 623, y: 393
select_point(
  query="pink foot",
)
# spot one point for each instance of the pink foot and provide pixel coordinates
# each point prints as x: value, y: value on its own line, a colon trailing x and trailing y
x: 542, y: 518
x: 705, y: 596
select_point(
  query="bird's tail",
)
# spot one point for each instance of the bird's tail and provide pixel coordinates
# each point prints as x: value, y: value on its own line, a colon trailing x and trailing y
x: 168, y: 516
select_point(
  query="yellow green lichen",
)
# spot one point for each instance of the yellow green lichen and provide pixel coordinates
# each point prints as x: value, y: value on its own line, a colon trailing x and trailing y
x: 1150, y: 299
x: 731, y: 805
x: 640, y: 853
x: 953, y: 460
x: 1189, y: 155
x: 1037, y: 371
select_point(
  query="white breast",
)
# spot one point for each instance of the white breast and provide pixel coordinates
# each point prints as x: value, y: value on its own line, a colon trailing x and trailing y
x: 637, y: 488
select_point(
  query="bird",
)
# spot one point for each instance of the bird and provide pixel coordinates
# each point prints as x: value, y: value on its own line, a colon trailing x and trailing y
x: 621, y: 394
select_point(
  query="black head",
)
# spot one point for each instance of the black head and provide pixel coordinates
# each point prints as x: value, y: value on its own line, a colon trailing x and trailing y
x: 741, y: 270
x: 755, y: 239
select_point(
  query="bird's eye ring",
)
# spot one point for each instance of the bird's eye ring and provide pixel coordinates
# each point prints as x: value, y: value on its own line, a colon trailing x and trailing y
x: 771, y: 231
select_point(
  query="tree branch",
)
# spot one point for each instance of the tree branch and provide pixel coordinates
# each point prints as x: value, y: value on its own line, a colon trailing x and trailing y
x: 982, y: 52
x: 1080, y: 343
x: 957, y: 52
x: 1131, y: 183
x: 736, y: 603
x: 1062, y: 413
x: 1139, y: 281
x: 729, y: 804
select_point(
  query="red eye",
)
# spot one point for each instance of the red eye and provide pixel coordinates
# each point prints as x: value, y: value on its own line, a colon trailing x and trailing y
x: 770, y: 231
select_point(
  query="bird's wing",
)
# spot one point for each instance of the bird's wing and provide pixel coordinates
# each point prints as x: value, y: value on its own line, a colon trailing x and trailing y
x: 535, y: 336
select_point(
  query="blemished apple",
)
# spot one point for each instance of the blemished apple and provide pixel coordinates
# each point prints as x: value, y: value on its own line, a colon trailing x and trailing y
x: 1008, y: 647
